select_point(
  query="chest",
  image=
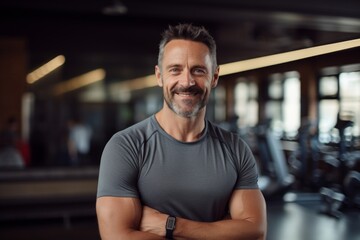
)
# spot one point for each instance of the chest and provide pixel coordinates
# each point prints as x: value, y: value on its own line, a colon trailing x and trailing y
x: 187, y: 177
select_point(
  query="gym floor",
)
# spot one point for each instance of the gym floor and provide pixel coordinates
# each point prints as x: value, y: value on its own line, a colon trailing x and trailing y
x: 303, y: 221
x: 286, y: 221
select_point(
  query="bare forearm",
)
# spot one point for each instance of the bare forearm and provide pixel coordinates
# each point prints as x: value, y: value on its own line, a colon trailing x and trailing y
x: 119, y: 218
x: 247, y: 221
x: 225, y: 229
x: 111, y: 230
x: 131, y: 235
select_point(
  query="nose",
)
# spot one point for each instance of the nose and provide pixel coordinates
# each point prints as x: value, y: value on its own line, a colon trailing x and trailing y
x: 187, y: 79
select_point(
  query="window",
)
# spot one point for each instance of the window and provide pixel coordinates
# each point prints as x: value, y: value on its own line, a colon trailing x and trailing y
x: 246, y: 103
x: 350, y: 99
x: 291, y: 105
x: 339, y: 97
x: 283, y: 105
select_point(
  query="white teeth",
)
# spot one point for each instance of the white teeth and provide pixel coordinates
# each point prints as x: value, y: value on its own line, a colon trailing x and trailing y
x: 186, y: 94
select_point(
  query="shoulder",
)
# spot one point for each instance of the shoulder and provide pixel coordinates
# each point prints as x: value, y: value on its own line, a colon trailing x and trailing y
x: 222, y: 134
x: 127, y: 144
x: 137, y: 133
x: 231, y: 140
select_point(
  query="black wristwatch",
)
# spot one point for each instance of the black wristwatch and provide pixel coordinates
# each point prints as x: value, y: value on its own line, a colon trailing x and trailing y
x: 170, y: 226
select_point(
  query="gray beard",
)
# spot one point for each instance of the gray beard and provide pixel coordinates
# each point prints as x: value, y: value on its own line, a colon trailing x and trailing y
x: 186, y: 114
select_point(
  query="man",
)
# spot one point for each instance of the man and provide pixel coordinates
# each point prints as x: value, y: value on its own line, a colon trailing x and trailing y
x: 176, y: 175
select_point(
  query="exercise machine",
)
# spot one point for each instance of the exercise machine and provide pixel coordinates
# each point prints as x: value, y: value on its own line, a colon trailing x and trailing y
x: 343, y: 189
x: 275, y: 178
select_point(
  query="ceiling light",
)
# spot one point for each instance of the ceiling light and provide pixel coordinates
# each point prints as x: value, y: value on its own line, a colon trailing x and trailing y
x: 266, y: 61
x: 118, y: 8
x: 45, y: 69
x: 80, y: 81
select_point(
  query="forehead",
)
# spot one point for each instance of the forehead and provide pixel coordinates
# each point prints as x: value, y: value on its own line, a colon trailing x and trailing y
x: 180, y: 50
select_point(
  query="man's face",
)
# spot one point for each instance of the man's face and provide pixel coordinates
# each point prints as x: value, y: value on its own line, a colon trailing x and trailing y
x: 186, y: 76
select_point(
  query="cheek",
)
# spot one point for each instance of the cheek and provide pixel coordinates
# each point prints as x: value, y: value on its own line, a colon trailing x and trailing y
x: 207, y: 85
x: 169, y: 83
x: 167, y: 87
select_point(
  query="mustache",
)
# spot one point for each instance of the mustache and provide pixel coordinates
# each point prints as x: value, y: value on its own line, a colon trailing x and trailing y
x: 192, y: 89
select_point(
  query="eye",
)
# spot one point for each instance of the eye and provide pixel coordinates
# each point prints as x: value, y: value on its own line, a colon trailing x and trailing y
x: 174, y: 70
x: 199, y: 71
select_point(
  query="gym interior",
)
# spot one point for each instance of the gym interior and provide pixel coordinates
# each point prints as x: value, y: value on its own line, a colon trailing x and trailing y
x: 289, y: 86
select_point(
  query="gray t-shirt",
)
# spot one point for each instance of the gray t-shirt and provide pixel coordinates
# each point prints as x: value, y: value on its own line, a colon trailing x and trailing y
x: 193, y: 180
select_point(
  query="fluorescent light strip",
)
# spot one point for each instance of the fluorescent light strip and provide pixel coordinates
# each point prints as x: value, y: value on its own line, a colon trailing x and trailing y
x: 45, y: 69
x: 251, y: 64
x: 80, y: 81
x: 137, y: 83
x: 260, y: 62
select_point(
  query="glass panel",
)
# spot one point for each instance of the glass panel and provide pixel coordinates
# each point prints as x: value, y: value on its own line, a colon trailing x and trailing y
x: 252, y: 115
x: 275, y: 89
x: 291, y: 106
x: 328, y: 111
x: 328, y: 86
x: 241, y: 92
x: 273, y: 112
x: 253, y: 90
x: 350, y: 110
x: 350, y: 98
x: 246, y: 105
x: 350, y: 85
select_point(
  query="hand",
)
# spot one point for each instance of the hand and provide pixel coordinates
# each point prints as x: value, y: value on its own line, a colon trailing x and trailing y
x: 153, y: 221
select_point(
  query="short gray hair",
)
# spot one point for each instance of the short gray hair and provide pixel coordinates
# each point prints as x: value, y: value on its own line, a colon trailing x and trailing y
x: 188, y: 32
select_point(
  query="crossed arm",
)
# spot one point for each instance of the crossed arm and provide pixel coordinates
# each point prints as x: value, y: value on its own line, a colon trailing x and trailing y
x: 126, y: 218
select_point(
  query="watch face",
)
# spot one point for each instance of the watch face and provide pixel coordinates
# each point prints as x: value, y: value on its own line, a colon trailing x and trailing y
x: 170, y: 223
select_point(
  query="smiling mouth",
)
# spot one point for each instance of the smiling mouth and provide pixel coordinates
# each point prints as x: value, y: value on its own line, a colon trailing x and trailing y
x: 186, y: 94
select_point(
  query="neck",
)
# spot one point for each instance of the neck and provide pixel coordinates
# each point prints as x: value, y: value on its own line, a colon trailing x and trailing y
x: 181, y: 128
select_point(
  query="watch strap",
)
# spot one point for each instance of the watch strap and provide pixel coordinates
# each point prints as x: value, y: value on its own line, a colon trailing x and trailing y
x: 170, y: 226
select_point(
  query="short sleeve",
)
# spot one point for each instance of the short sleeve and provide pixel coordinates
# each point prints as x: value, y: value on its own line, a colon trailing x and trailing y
x: 118, y: 171
x: 247, y: 168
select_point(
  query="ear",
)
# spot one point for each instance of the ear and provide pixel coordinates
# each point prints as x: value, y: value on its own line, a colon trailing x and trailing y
x: 215, y: 79
x: 158, y: 75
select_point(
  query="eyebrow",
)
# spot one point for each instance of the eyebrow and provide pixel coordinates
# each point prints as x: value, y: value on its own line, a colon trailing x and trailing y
x: 179, y: 65
x: 199, y: 66
x: 173, y: 65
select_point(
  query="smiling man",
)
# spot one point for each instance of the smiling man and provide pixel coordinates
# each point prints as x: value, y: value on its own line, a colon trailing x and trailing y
x: 176, y: 175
